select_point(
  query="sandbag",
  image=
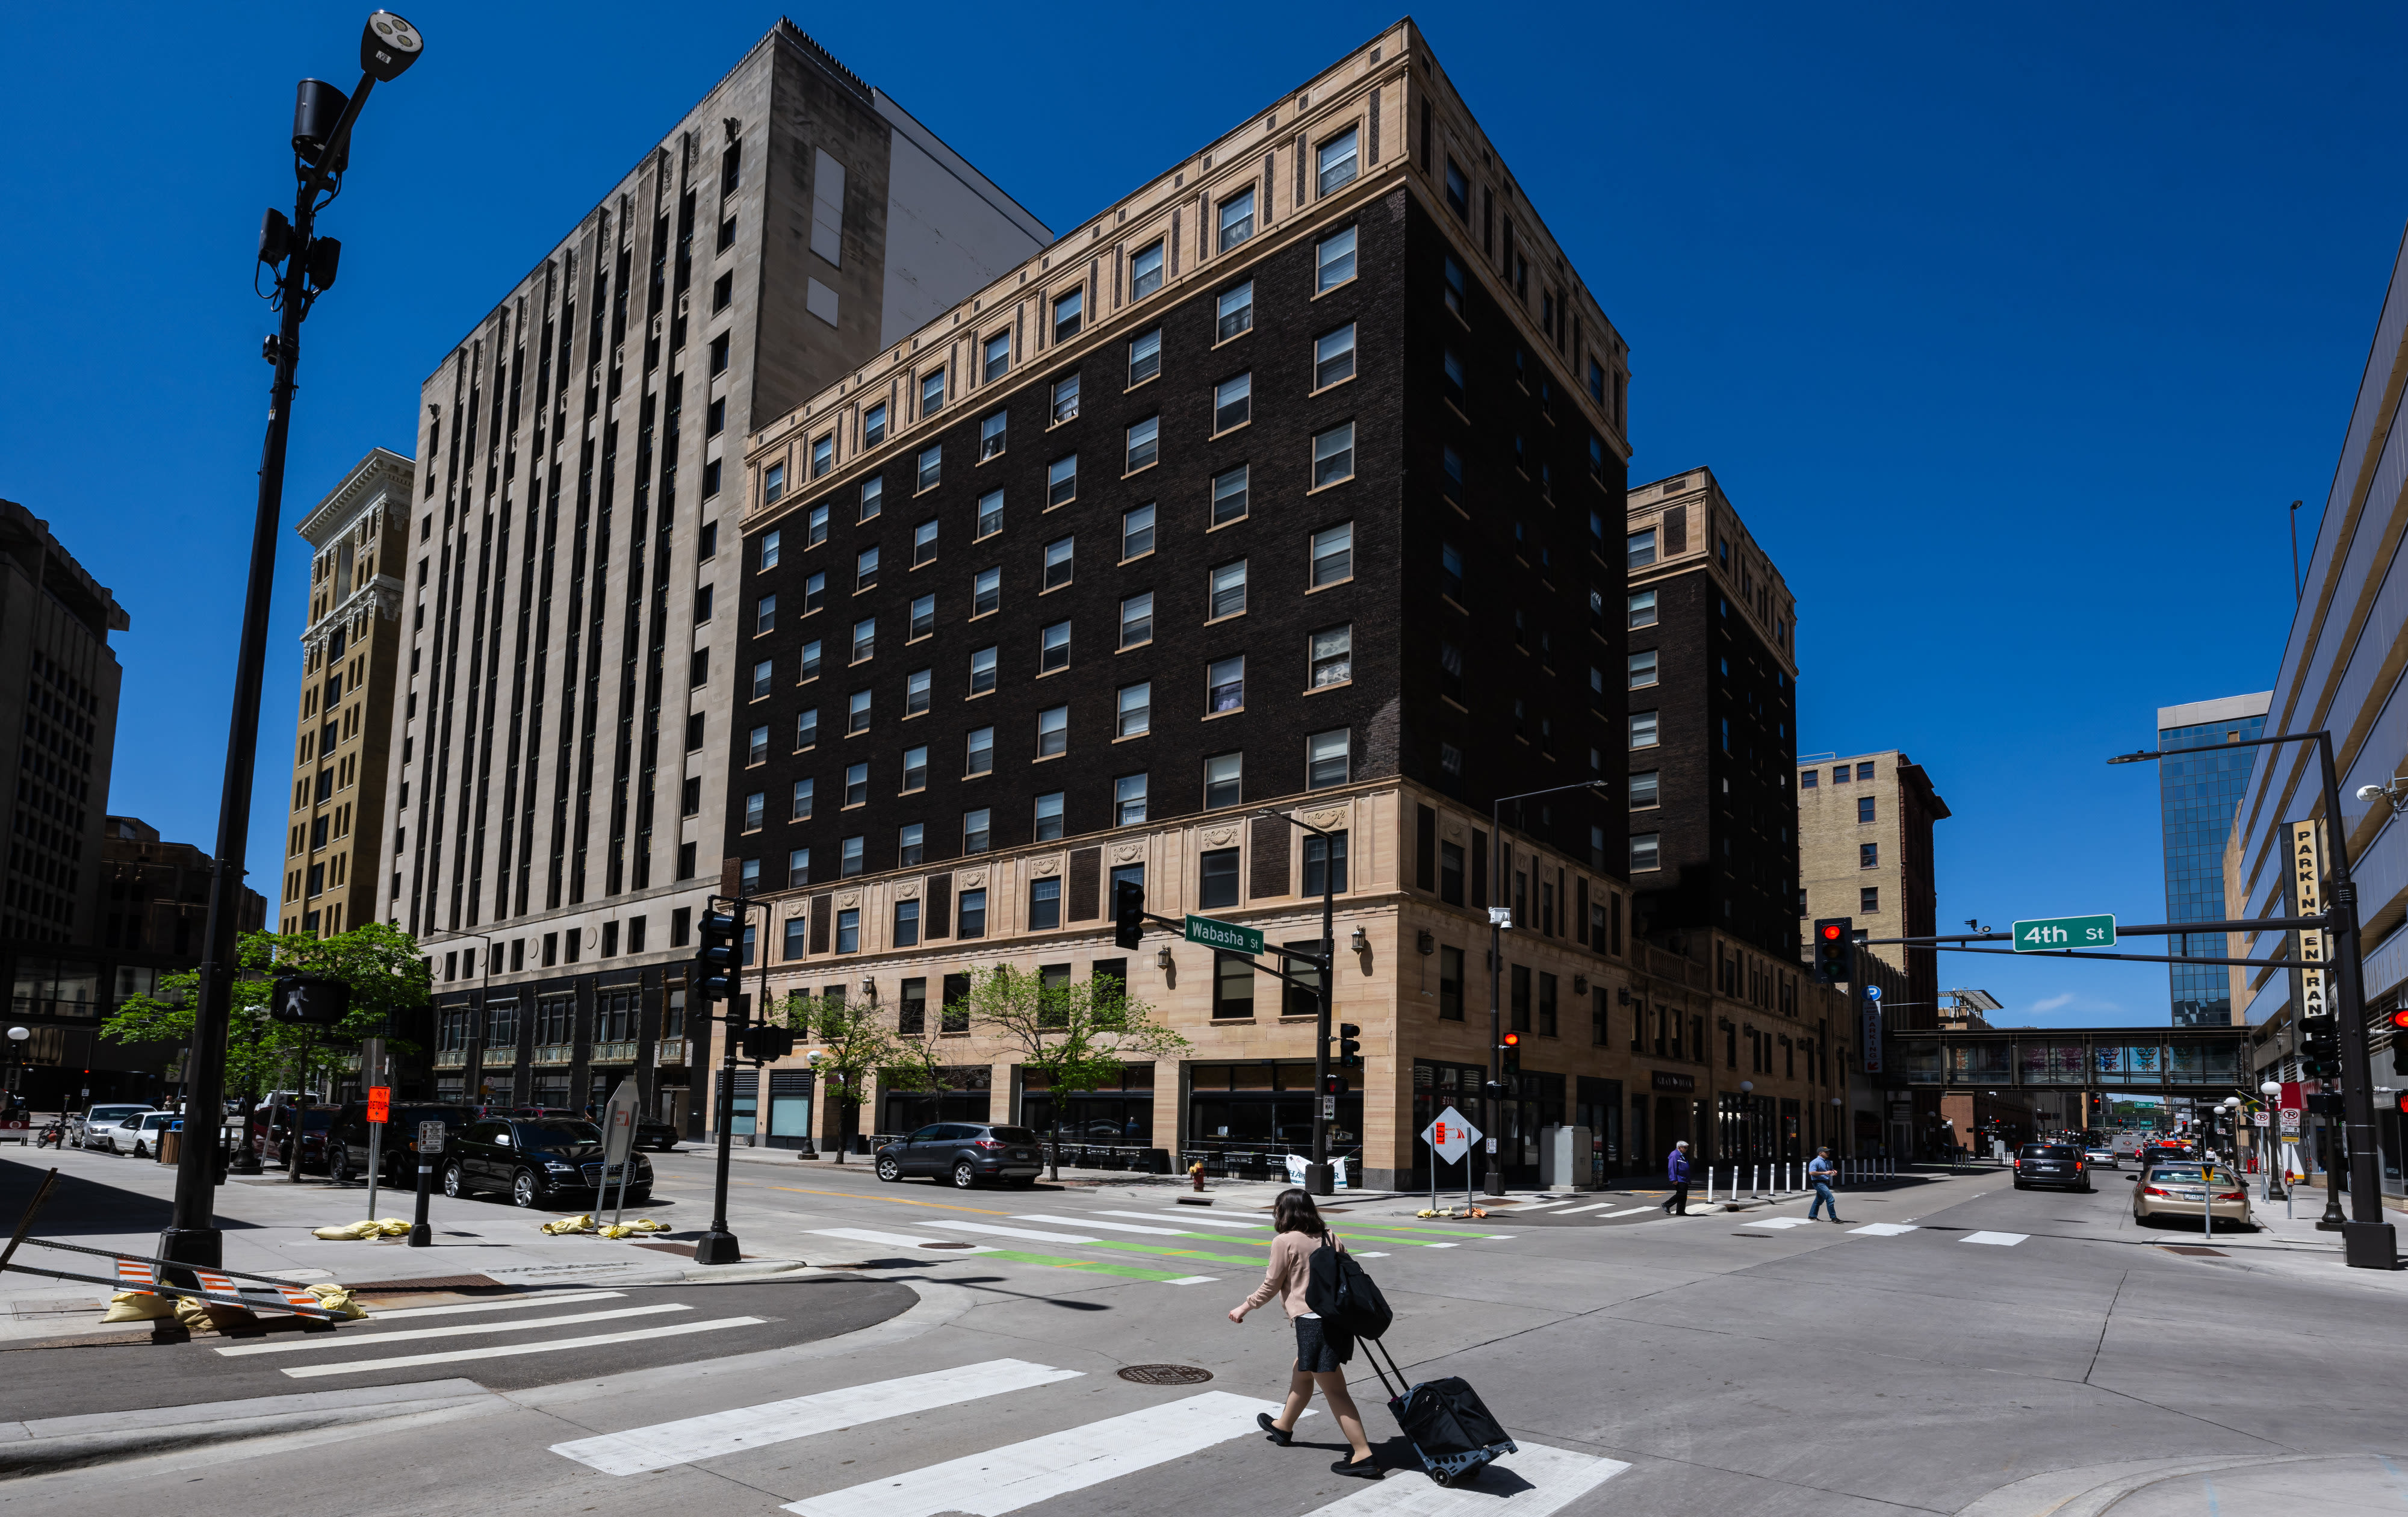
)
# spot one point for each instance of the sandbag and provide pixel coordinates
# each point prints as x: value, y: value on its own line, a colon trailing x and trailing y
x: 338, y: 1300
x: 138, y: 1306
x: 626, y: 1229
x: 581, y: 1223
x: 210, y: 1316
x: 354, y: 1231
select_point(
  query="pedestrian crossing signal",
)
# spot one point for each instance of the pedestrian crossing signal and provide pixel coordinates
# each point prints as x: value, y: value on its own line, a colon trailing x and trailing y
x: 310, y: 1000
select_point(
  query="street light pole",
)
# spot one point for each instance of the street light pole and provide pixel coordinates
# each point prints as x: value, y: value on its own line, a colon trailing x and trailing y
x: 1498, y: 914
x: 2275, y: 1189
x: 388, y: 45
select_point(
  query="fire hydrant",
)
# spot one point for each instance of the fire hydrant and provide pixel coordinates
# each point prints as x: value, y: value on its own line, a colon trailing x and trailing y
x: 1195, y: 1174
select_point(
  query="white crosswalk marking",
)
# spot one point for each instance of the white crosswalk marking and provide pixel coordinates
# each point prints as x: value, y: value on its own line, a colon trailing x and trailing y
x: 1192, y: 1279
x: 2004, y: 1240
x: 898, y: 1240
x: 1632, y: 1212
x: 1883, y: 1229
x: 1531, y: 1483
x: 524, y: 1325
x: 1592, y: 1206
x: 1011, y: 1232
x: 1186, y: 1219
x: 1102, y: 1226
x: 516, y: 1303
x: 513, y: 1349
x: 1779, y: 1222
x: 1021, y: 1475
x: 690, y: 1439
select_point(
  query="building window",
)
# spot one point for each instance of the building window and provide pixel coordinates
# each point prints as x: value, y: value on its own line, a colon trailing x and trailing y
x: 1068, y: 309
x: 873, y: 498
x: 986, y: 590
x: 979, y: 753
x: 1450, y: 377
x: 1334, y: 161
x: 1065, y: 399
x: 1062, y: 481
x: 1449, y: 984
x: 1869, y: 855
x: 1868, y: 899
x: 757, y: 808
x: 992, y: 432
x: 1450, y: 572
x: 1456, y: 290
x: 970, y: 915
x: 1136, y: 713
x: 823, y: 456
x: 1864, y: 771
x: 1144, y: 359
x: 1044, y: 904
x: 1228, y: 595
x: 857, y: 784
x: 848, y: 930
x: 1144, y: 444
x: 1049, y: 817
x: 807, y: 728
x: 1333, y: 357
x: 931, y: 467
x: 910, y: 844
x: 874, y: 425
x: 1236, y: 218
x: 1325, y: 864
x: 1640, y: 608
x: 1224, y: 685
x: 1333, y: 456
x: 907, y: 923
x: 1864, y: 808
x: 769, y: 551
x: 1053, y: 731
x: 1326, y: 758
x: 1639, y: 549
x: 1128, y: 800
x: 1458, y: 192
x: 849, y: 858
x: 765, y: 614
x: 1643, y: 852
x: 1137, y: 532
x: 807, y: 666
x: 760, y: 674
x: 915, y: 769
x: 915, y: 691
x: 923, y: 617
x: 1229, y: 495
x: 1058, y: 562
x: 719, y: 353
x: 802, y: 802
x: 1645, y: 788
x: 974, y: 840
x: 1234, y: 312
x: 1137, y: 620
x: 1218, y: 880
x: 1223, y: 781
x: 1333, y: 555
x: 1233, y: 983
x: 1809, y: 779
x: 1333, y: 261
x: 1332, y: 653
x: 1642, y: 729
x: 1642, y: 669
x: 815, y: 532
x: 981, y: 671
x: 864, y: 638
x: 995, y: 358
x: 864, y: 569
x: 756, y: 747
x: 1145, y: 270
x: 857, y: 717
x: 1054, y: 648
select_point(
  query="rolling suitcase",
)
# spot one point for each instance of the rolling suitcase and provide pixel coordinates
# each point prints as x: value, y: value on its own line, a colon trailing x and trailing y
x: 1444, y: 1421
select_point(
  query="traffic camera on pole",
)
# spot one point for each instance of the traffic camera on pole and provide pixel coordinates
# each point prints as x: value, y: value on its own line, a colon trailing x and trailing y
x: 716, y: 971
x: 1128, y: 913
x: 1833, y: 939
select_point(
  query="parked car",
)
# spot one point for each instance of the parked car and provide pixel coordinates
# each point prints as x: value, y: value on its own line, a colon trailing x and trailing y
x: 964, y: 1152
x: 346, y: 1140
x: 2102, y: 1157
x: 534, y: 1160
x: 652, y: 1133
x: 84, y: 1127
x: 270, y: 1141
x: 135, y: 1133
x: 2176, y: 1193
x: 2051, y: 1164
x: 541, y: 1112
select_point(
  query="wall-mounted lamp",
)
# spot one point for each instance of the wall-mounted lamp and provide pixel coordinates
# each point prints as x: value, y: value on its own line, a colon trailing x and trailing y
x: 869, y: 989
x: 1162, y: 958
x: 1360, y: 942
x: 1426, y: 942
x: 1580, y: 984
x: 1622, y: 996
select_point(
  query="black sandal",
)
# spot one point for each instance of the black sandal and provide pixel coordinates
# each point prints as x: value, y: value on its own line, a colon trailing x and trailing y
x: 1263, y: 1420
x: 1362, y: 1469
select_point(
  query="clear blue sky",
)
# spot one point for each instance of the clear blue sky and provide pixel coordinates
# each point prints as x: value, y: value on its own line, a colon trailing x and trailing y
x: 2011, y: 331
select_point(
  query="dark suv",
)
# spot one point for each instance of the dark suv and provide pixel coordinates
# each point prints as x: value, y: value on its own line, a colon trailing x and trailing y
x: 964, y: 1152
x: 347, y: 1142
x: 533, y: 1160
x: 2051, y: 1164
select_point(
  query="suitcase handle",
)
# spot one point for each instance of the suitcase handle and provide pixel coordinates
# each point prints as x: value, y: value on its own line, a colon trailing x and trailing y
x: 1372, y: 1349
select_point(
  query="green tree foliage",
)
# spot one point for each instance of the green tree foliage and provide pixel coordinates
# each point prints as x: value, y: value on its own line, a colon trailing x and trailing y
x: 853, y: 1042
x: 381, y: 963
x: 1077, y: 1035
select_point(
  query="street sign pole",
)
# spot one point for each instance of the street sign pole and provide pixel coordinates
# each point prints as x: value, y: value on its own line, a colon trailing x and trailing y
x: 379, y: 1112
x: 619, y: 1140
x: 430, y: 1143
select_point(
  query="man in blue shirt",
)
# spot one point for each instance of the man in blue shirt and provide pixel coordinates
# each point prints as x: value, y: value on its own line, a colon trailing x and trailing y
x: 1676, y: 1171
x: 1820, y: 1172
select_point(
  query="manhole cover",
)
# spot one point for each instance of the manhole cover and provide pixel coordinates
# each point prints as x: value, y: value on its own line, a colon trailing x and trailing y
x: 949, y: 1245
x: 1165, y: 1374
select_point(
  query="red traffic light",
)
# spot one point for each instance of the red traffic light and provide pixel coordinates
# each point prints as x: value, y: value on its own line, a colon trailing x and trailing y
x: 1512, y: 1040
x: 1830, y: 932
x: 2403, y: 1103
x: 2400, y: 1018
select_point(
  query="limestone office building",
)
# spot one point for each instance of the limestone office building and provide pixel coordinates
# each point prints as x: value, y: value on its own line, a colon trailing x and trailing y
x: 568, y: 574
x: 1292, y: 481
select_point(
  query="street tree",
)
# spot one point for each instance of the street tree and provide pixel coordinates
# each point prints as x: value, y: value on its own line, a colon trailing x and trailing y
x: 852, y: 1042
x: 1076, y: 1035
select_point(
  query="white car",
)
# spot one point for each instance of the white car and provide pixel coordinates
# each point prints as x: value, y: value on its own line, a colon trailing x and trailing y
x: 139, y: 1133
x: 2102, y: 1158
x: 91, y: 1125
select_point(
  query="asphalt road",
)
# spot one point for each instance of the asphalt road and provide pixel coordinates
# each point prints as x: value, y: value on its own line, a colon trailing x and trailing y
x: 1957, y: 1346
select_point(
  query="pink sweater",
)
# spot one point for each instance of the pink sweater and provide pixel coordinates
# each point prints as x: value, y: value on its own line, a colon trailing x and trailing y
x: 1289, y: 1273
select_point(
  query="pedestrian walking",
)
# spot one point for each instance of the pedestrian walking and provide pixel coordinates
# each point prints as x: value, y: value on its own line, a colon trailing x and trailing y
x: 1676, y: 1169
x: 1321, y: 1348
x: 1819, y: 1173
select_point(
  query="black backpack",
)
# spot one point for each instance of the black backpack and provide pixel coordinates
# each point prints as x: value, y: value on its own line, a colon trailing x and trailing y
x: 1343, y: 1294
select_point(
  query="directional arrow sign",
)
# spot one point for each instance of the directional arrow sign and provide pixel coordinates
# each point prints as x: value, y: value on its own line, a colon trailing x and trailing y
x: 2048, y: 934
x: 1227, y: 935
x: 1451, y: 1136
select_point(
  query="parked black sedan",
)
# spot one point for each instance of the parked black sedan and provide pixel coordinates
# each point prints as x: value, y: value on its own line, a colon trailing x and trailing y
x: 964, y: 1152
x: 2052, y: 1164
x: 535, y: 1161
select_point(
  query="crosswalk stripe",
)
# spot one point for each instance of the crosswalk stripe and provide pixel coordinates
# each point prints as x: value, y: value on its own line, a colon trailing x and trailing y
x: 1108, y: 1227
x: 1592, y: 1206
x: 1353, y: 1224
x: 1779, y: 1222
x: 514, y: 1303
x: 1021, y: 1475
x: 407, y: 1335
x: 2004, y: 1240
x: 898, y: 1240
x: 1010, y: 1232
x: 1883, y: 1229
x: 1191, y: 1220
x: 1093, y: 1266
x: 512, y: 1350
x: 692, y: 1439
x: 1550, y: 1480
x: 1632, y: 1212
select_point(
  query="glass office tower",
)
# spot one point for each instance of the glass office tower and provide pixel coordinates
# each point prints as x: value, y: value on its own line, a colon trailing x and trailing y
x: 2196, y: 795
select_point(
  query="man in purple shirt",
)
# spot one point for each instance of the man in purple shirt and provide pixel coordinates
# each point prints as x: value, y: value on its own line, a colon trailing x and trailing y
x: 1676, y: 1169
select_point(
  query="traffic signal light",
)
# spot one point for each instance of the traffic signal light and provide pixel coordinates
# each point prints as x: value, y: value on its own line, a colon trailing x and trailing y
x: 2402, y: 1098
x: 1350, y: 1053
x: 1832, y: 941
x: 310, y: 1000
x: 1128, y: 913
x: 762, y: 1044
x: 1511, y: 1045
x: 714, y: 956
x: 1333, y: 1085
x: 2319, y: 1048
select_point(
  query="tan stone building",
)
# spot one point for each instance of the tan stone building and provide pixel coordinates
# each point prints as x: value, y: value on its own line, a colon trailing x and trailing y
x: 350, y: 658
x: 1864, y: 834
x: 1272, y: 573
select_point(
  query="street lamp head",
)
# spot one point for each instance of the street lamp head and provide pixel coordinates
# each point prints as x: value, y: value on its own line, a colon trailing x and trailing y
x: 388, y: 45
x: 2133, y: 758
x: 1746, y: 1086
x: 17, y: 1035
x: 2370, y: 793
x: 2270, y: 1087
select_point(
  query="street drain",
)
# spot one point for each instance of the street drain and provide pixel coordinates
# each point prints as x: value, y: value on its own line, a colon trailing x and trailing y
x: 1165, y: 1374
x: 949, y: 1245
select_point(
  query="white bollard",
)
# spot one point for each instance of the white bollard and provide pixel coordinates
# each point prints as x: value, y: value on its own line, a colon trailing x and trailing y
x: 1756, y: 1181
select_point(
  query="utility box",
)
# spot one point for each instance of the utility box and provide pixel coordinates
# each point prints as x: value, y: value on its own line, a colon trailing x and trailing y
x: 1564, y: 1159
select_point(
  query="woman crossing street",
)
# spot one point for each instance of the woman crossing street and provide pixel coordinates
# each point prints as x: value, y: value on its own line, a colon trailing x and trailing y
x: 1321, y: 1348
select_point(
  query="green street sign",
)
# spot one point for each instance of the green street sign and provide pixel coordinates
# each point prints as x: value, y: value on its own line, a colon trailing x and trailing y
x: 1223, y: 935
x: 2045, y: 935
